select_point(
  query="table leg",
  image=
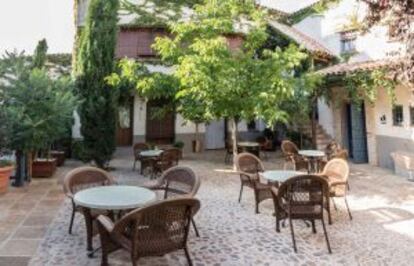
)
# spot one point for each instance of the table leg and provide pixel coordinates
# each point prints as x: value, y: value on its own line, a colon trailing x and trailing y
x: 89, y: 227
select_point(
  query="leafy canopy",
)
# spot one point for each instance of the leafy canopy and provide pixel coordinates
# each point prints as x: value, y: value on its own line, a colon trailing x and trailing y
x: 220, y: 66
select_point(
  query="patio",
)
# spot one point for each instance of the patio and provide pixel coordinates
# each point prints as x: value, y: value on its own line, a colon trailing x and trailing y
x: 34, y: 222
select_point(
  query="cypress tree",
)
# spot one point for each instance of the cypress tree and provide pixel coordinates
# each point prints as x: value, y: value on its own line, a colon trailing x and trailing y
x: 95, y: 61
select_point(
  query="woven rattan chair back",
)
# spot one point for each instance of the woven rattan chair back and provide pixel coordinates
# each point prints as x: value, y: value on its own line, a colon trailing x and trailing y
x: 302, y: 195
x: 159, y: 228
x: 86, y: 177
x: 169, y: 158
x: 337, y: 168
x: 248, y: 163
x: 289, y: 148
x: 180, y: 181
x: 341, y: 154
x: 139, y: 147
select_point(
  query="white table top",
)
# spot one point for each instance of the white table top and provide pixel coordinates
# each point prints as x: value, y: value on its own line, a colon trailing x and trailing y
x: 151, y: 153
x: 312, y: 153
x: 279, y: 175
x: 248, y: 144
x: 114, y: 197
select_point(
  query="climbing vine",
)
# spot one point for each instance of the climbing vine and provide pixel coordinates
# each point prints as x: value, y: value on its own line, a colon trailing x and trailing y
x: 317, y: 8
x: 364, y: 85
x: 156, y: 12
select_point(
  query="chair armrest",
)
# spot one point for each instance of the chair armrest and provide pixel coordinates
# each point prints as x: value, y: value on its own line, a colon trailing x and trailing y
x: 106, y: 223
x: 338, y: 183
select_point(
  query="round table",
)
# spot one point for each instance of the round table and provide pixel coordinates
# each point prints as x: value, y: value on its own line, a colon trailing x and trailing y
x: 151, y: 153
x: 314, y: 156
x: 150, y: 157
x: 112, y: 198
x: 249, y: 146
x: 279, y: 176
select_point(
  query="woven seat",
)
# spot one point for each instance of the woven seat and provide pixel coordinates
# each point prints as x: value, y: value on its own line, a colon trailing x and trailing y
x: 154, y: 230
x: 179, y: 181
x: 301, y: 197
x: 249, y: 166
x: 79, y: 179
x: 336, y: 172
x: 291, y: 153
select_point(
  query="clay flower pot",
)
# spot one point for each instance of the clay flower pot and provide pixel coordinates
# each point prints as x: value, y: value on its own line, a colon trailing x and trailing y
x: 5, y: 173
x: 44, y: 167
x: 59, y: 156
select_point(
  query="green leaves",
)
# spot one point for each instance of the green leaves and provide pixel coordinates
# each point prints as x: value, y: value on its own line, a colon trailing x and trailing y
x: 94, y: 62
x: 35, y: 110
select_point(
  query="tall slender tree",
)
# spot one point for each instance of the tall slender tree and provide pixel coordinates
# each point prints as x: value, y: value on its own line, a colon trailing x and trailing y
x: 95, y: 61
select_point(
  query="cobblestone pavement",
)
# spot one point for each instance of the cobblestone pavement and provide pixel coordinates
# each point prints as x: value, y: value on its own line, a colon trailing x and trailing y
x: 231, y: 233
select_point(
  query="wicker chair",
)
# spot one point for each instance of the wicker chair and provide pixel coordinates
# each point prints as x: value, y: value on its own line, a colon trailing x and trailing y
x: 301, y: 198
x: 265, y: 144
x: 138, y: 148
x: 79, y: 179
x: 167, y: 159
x: 331, y: 149
x: 249, y: 166
x: 179, y: 181
x: 291, y: 153
x: 154, y: 230
x: 337, y: 172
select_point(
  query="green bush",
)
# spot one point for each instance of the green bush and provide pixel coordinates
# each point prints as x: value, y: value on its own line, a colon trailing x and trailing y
x: 179, y: 144
x: 5, y: 163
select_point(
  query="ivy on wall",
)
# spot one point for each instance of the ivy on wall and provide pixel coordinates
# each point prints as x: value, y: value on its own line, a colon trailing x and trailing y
x: 156, y: 13
x: 317, y: 8
x: 364, y: 85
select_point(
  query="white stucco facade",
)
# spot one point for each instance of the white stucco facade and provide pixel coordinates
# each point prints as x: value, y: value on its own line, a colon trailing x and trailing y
x: 325, y: 28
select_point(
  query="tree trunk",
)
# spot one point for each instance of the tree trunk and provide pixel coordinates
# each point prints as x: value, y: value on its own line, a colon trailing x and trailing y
x: 313, y: 123
x: 22, y: 172
x: 234, y: 139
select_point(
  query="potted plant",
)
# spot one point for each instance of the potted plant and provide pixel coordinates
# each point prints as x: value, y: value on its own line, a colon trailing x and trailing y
x: 179, y: 145
x: 6, y: 169
x: 35, y: 111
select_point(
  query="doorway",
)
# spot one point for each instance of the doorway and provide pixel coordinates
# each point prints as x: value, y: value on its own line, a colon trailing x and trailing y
x: 160, y: 125
x: 356, y: 133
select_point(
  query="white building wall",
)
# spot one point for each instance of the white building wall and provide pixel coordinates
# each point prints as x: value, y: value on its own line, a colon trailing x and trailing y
x: 325, y: 113
x: 184, y: 127
x: 325, y: 29
x: 140, y: 114
x: 404, y: 97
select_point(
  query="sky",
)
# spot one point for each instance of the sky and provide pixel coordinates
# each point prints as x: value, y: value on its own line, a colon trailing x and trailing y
x: 24, y: 22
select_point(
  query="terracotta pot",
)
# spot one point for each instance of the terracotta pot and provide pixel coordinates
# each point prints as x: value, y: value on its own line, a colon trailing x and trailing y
x: 59, y: 156
x: 196, y: 146
x: 44, y: 168
x: 5, y: 173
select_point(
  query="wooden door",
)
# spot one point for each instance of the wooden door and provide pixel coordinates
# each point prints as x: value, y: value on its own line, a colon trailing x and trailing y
x: 125, y: 125
x: 160, y: 129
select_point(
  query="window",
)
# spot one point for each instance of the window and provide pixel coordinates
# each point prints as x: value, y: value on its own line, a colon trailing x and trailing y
x: 348, y: 39
x: 397, y: 115
x: 412, y: 115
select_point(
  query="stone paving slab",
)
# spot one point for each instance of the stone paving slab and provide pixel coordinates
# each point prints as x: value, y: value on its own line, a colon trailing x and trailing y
x: 33, y: 222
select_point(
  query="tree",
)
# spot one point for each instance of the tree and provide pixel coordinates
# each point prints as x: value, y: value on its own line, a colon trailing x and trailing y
x: 399, y: 15
x: 35, y: 109
x: 95, y: 61
x: 231, y: 83
x: 40, y: 54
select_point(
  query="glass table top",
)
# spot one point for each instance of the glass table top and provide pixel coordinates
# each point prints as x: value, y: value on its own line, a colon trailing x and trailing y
x: 312, y: 153
x: 279, y: 175
x: 151, y: 153
x: 114, y: 197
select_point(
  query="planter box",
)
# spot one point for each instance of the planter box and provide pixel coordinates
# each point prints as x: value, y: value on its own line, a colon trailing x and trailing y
x: 404, y: 164
x: 5, y: 173
x: 59, y: 156
x: 44, y: 167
